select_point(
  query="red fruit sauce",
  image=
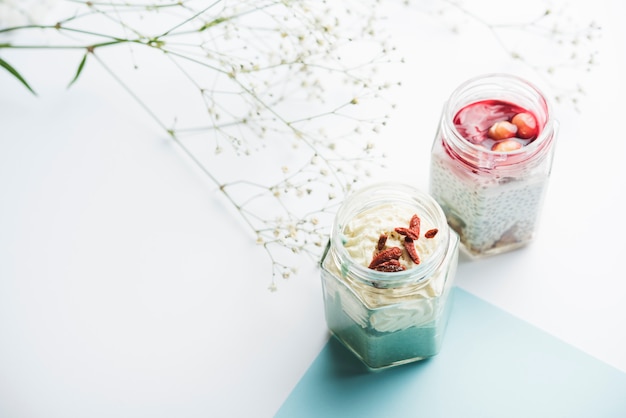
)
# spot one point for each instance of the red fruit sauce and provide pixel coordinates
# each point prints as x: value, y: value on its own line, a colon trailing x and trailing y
x: 474, y: 120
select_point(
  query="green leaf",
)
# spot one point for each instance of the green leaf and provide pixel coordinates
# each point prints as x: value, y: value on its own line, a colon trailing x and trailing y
x: 17, y: 75
x: 79, y: 70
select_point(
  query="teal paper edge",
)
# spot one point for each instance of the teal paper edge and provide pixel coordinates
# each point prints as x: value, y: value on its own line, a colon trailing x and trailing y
x: 492, y: 364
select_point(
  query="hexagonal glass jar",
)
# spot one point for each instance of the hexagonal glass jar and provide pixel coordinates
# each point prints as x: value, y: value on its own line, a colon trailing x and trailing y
x: 389, y: 318
x: 492, y: 199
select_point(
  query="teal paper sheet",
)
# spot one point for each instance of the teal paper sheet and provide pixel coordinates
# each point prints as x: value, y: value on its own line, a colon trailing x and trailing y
x: 491, y: 365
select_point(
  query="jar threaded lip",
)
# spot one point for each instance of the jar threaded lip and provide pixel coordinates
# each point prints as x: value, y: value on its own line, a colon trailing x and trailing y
x: 376, y: 195
x: 507, y: 88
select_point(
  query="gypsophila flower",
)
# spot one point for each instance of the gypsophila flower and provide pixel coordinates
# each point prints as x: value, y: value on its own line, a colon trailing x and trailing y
x: 297, y: 80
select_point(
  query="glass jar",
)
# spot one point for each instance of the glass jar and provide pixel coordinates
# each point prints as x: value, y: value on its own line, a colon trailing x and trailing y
x: 492, y: 197
x: 388, y: 318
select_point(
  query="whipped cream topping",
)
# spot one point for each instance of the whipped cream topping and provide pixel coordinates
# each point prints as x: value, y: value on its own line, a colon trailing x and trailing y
x: 361, y: 234
x: 391, y: 309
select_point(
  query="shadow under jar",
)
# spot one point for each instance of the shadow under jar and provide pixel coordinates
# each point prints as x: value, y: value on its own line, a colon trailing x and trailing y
x: 387, y: 275
x: 491, y: 161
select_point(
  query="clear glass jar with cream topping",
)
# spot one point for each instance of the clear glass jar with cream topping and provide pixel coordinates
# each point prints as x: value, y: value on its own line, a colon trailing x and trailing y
x: 389, y: 312
x: 491, y: 160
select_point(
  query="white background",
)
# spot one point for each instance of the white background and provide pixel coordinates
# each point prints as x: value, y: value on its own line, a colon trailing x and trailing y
x: 113, y: 297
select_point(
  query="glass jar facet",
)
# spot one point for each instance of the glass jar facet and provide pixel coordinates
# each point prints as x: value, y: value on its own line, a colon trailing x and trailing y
x: 492, y: 199
x: 388, y: 318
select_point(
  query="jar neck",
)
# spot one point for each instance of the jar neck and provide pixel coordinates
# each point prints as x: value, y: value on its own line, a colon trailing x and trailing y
x: 397, y: 194
x: 508, y: 89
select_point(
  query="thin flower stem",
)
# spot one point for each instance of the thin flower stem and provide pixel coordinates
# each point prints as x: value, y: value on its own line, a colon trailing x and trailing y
x: 246, y: 71
x: 126, y: 4
x: 189, y: 19
x: 172, y: 135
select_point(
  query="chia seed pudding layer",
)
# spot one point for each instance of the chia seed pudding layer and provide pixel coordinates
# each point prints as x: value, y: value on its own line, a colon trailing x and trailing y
x: 491, y: 161
x: 492, y: 213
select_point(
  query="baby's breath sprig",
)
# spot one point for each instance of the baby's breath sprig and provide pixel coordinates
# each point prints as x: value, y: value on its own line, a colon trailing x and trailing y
x: 293, y: 85
x: 274, y: 80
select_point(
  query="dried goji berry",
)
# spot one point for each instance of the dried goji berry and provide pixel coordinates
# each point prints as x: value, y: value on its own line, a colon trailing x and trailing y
x: 410, y: 248
x: 382, y: 240
x: 414, y: 224
x: 392, y: 253
x: 390, y: 266
x: 407, y: 232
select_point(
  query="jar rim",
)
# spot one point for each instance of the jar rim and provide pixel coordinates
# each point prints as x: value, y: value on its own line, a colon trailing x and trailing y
x: 489, y: 158
x: 396, y: 192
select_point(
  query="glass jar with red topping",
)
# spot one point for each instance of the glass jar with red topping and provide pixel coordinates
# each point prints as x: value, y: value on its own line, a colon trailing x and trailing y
x: 491, y: 160
x: 387, y: 275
